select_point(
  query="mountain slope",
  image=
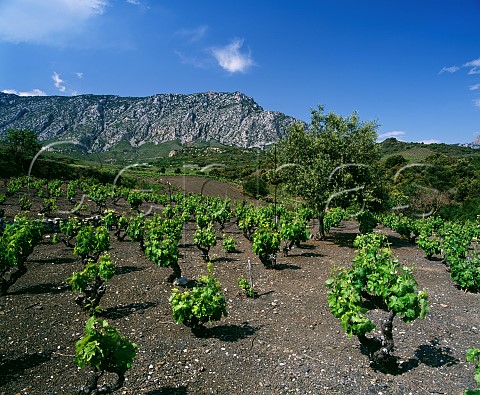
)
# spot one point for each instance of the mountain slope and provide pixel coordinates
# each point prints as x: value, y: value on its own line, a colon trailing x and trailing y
x: 100, y: 121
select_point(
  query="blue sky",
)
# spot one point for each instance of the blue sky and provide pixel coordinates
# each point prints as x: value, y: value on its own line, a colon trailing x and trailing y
x: 412, y: 65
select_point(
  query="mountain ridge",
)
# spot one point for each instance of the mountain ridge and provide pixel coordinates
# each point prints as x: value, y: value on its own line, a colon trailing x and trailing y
x: 101, y: 121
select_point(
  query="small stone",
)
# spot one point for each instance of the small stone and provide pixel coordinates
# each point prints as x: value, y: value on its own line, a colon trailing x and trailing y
x: 181, y: 281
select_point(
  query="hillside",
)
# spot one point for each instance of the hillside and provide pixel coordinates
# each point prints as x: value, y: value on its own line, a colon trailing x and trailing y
x: 420, y: 151
x: 100, y: 122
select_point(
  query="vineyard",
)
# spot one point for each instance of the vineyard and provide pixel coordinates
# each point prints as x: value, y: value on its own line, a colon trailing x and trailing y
x: 109, y: 289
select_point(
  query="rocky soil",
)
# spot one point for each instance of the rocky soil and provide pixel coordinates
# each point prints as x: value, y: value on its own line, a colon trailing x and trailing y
x: 284, y: 341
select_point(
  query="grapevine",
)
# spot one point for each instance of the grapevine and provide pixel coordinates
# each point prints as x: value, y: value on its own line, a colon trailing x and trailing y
x: 205, y: 239
x: 266, y: 244
x: 103, y: 348
x: 16, y: 244
x: 203, y: 303
x: 473, y: 355
x: 375, y: 281
x: 91, y: 282
x: 91, y: 242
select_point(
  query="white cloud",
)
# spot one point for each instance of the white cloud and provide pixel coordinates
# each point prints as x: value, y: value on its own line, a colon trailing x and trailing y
x: 79, y: 74
x: 134, y: 2
x: 33, y: 92
x: 474, y: 87
x: 57, y: 81
x: 473, y: 63
x: 430, y: 141
x: 231, y: 59
x: 393, y: 133
x: 451, y: 69
x: 476, y: 102
x: 45, y: 21
x: 474, y: 66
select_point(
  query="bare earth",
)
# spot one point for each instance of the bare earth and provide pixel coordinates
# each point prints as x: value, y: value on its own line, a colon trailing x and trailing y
x: 284, y: 341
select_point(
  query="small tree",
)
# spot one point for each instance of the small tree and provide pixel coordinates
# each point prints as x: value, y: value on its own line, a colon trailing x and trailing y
x: 333, y: 218
x: 255, y: 186
x: 376, y: 281
x: 328, y: 158
x: 136, y: 230
x: 23, y: 145
x: 366, y: 221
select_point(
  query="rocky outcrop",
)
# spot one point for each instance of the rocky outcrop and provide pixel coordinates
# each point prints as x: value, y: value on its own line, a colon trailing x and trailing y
x: 100, y: 121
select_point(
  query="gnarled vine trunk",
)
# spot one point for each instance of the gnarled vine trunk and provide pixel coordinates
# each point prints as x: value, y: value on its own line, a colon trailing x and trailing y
x: 6, y: 283
x: 380, y: 350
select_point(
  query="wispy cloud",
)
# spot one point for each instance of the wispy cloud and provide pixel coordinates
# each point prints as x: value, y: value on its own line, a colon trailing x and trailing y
x: 186, y: 59
x: 473, y: 63
x: 33, y: 92
x: 58, y: 82
x: 393, y: 133
x: 193, y: 35
x: 134, y: 2
x: 79, y: 74
x: 231, y: 59
x: 46, y: 22
x: 451, y: 70
x: 474, y: 66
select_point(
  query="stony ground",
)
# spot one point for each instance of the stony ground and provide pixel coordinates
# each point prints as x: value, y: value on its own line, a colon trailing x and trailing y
x: 284, y: 341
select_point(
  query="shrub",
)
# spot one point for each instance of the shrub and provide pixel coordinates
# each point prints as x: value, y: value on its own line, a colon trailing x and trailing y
x: 255, y: 186
x: 367, y: 222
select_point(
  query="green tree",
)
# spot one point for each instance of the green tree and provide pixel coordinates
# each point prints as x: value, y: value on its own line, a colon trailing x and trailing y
x: 22, y: 146
x: 325, y: 161
x: 255, y: 186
